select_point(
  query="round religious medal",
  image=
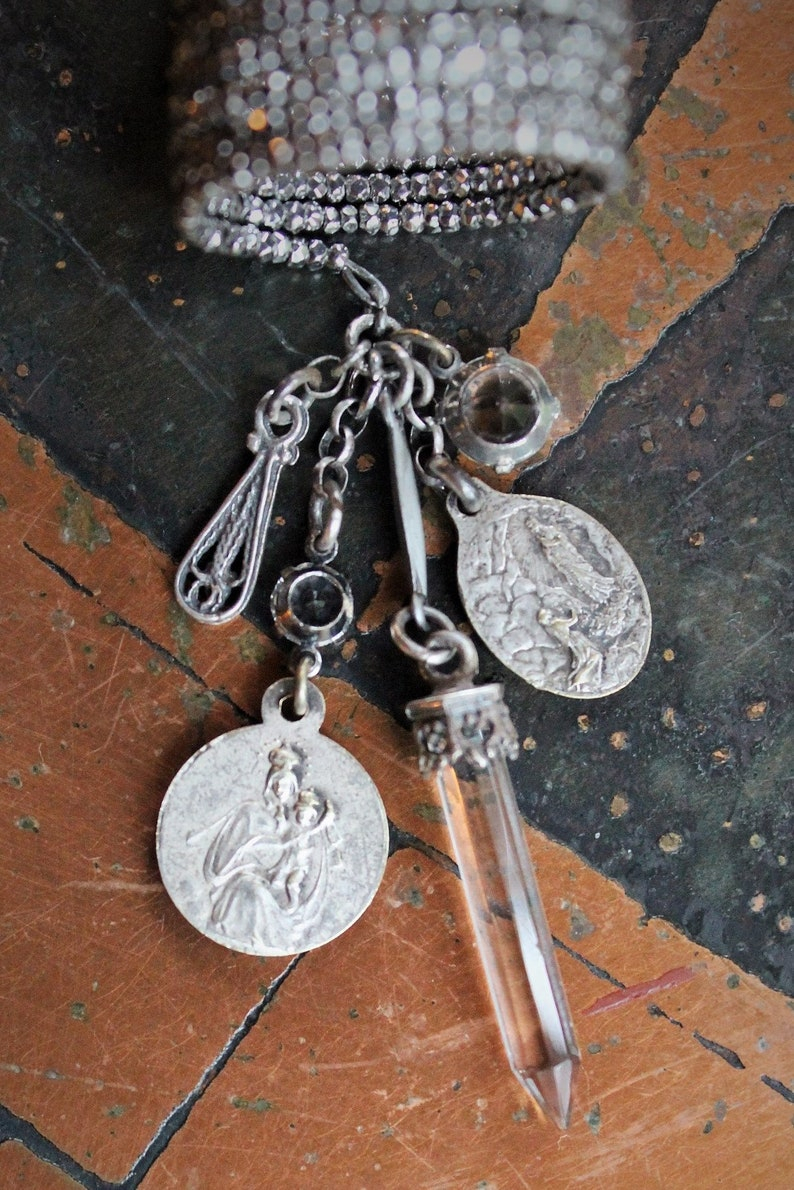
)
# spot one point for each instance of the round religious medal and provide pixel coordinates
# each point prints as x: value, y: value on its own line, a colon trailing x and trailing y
x: 273, y: 839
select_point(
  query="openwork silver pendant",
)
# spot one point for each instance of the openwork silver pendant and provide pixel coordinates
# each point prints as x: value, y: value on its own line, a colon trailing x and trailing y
x: 273, y: 839
x: 552, y: 593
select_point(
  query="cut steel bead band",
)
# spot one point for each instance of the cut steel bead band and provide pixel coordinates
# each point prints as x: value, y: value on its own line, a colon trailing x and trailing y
x: 293, y: 123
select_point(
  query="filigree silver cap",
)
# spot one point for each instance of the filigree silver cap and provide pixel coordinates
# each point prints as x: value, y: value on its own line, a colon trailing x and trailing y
x: 294, y: 121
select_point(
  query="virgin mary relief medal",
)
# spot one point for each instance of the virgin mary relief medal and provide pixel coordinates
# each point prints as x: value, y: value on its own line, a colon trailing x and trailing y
x: 552, y: 593
x: 273, y: 839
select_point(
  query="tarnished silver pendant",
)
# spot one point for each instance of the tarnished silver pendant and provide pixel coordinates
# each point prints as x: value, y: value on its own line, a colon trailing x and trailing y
x: 552, y: 593
x: 217, y: 576
x: 273, y: 839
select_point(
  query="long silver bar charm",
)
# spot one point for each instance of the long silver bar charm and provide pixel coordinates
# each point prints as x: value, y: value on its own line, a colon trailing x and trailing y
x: 216, y: 578
x: 407, y: 505
x: 464, y: 736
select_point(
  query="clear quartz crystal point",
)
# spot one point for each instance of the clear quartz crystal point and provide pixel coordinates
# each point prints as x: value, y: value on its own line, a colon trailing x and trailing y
x: 464, y: 737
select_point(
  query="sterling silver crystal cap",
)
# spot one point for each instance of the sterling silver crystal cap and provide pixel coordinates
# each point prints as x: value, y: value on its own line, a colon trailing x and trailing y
x: 294, y: 122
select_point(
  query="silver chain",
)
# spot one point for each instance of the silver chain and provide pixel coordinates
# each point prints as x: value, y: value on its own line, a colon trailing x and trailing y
x: 386, y: 366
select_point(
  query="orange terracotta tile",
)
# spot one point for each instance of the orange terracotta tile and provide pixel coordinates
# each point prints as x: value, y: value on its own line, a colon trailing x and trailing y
x: 95, y: 722
x: 595, y: 918
x: 389, y: 596
x: 131, y: 580
x: 379, y: 1065
x: 128, y: 1049
x: 108, y: 1021
x: 710, y: 169
x: 52, y: 515
x: 19, y: 1168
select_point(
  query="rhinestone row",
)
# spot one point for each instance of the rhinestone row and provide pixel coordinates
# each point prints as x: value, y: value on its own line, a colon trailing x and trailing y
x: 279, y: 222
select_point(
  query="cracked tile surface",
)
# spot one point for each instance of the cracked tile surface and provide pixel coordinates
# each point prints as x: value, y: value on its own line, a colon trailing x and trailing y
x: 136, y: 1053
x: 379, y: 1065
x: 708, y: 173
x: 124, y: 1008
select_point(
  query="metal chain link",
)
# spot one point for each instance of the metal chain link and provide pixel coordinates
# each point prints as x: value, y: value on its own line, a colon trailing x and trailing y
x: 443, y: 359
x: 305, y: 664
x: 443, y: 644
x: 444, y: 475
x: 383, y: 362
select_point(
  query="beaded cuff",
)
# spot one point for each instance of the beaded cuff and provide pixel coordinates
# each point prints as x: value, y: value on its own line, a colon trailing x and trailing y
x: 296, y: 123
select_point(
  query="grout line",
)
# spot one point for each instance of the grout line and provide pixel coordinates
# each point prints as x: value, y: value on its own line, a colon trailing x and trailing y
x: 728, y: 1055
x: 593, y: 968
x: 600, y: 398
x: 62, y: 573
x: 14, y: 1128
x: 139, y: 634
x: 776, y: 1085
x: 401, y: 839
x: 179, y: 1115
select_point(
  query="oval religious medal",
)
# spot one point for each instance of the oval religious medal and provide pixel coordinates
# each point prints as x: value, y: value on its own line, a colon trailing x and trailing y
x: 273, y: 839
x: 552, y: 593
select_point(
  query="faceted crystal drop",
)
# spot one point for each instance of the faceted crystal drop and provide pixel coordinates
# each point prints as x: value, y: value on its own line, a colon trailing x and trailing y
x: 464, y: 735
x: 512, y: 935
x: 500, y: 407
x: 498, y: 410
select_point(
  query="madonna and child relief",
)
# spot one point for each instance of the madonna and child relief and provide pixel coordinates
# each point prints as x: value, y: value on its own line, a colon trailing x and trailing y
x: 267, y: 860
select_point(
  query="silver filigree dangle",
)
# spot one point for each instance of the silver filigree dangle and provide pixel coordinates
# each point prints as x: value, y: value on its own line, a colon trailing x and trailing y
x: 217, y: 576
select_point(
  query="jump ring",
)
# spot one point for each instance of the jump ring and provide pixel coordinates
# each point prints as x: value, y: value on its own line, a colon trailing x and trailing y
x: 412, y: 648
x: 305, y: 666
x: 289, y: 386
x: 321, y: 394
x: 455, y: 643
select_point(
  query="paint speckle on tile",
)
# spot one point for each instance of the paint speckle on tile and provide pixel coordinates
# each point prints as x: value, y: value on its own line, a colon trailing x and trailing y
x: 671, y: 843
x: 79, y: 523
x: 593, y: 1119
